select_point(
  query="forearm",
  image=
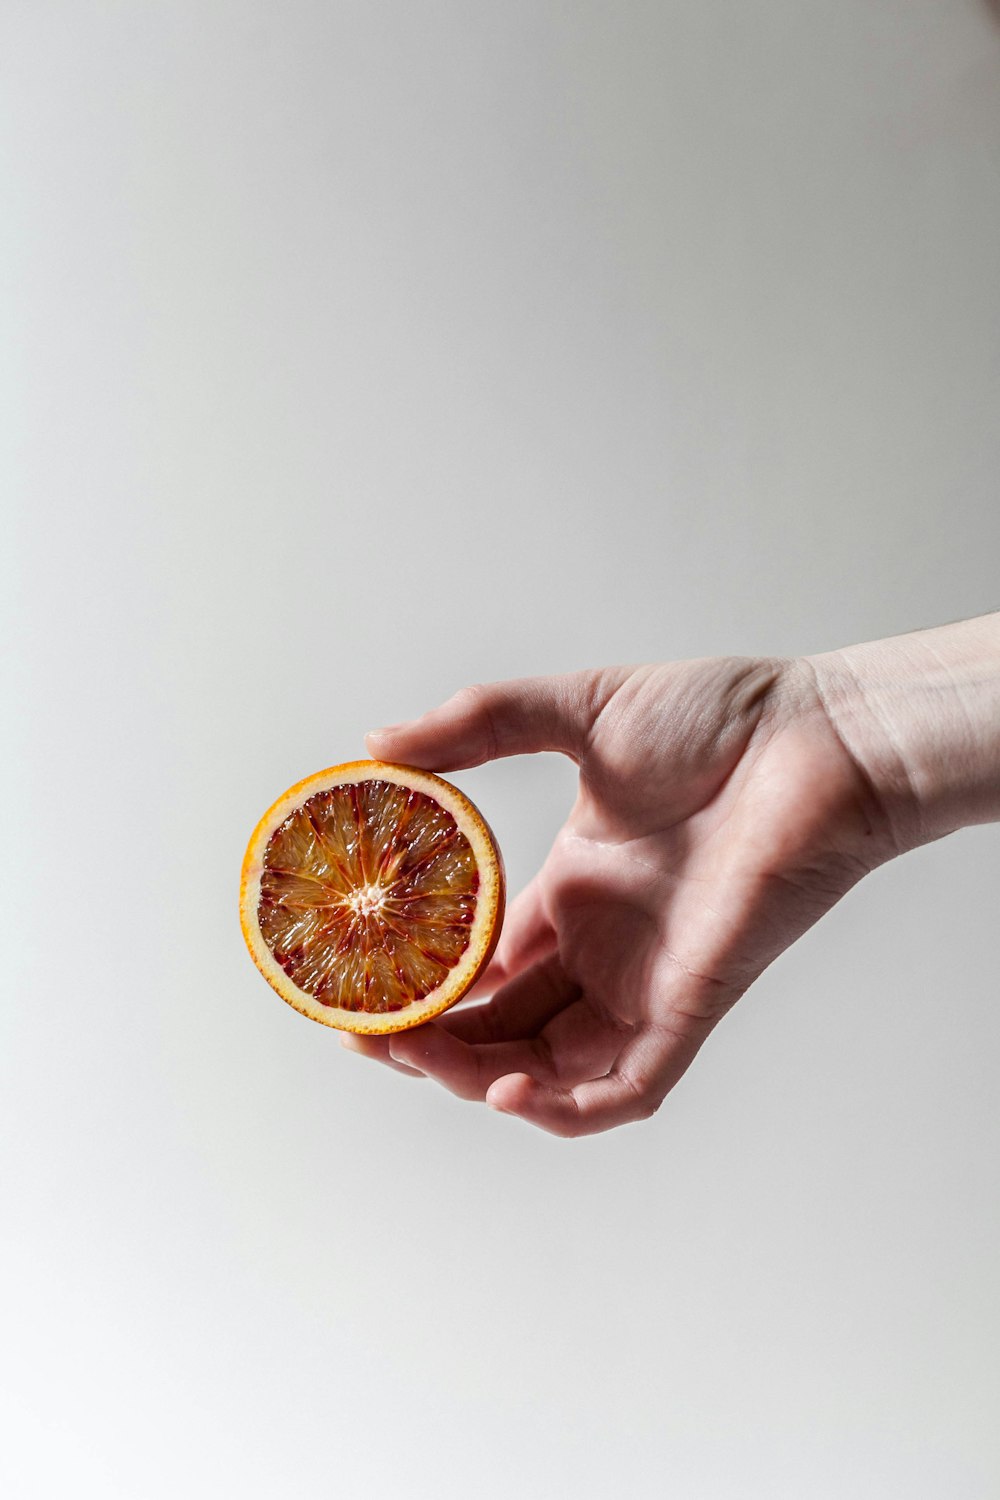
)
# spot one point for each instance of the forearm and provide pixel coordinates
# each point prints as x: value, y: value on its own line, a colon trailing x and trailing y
x: 920, y: 714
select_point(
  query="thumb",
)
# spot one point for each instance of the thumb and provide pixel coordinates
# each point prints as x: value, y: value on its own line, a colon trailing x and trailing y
x: 502, y: 718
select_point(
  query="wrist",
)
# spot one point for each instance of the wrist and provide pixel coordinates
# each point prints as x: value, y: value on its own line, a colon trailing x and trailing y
x: 920, y: 715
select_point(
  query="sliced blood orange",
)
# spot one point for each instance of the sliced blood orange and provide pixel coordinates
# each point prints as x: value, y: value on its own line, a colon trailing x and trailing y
x: 372, y: 896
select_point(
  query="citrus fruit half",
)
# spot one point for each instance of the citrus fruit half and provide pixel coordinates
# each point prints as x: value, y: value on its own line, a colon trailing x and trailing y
x: 372, y: 896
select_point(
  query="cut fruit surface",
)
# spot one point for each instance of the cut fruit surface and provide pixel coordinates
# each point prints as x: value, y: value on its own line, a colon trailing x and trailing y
x: 372, y: 896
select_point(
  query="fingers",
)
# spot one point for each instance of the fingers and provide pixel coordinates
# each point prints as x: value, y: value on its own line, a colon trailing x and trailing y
x: 542, y: 1051
x: 465, y: 1069
x: 646, y: 1068
x: 539, y: 1025
x: 376, y: 1047
x: 519, y: 1009
x: 531, y: 1077
x: 501, y: 718
x: 440, y: 1049
x: 466, y: 1051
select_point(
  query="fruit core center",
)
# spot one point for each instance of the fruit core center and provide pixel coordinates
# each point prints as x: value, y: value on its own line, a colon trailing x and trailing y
x: 368, y: 900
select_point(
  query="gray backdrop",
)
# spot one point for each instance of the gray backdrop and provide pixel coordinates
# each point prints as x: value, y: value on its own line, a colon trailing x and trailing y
x: 355, y: 351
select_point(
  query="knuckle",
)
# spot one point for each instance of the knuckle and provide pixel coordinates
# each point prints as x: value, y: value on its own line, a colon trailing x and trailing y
x: 642, y: 1102
x: 475, y: 702
x: 598, y: 691
x: 545, y: 1057
x: 471, y: 696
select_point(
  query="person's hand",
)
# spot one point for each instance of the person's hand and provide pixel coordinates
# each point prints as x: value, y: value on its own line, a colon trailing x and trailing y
x: 724, y: 805
x: 719, y: 815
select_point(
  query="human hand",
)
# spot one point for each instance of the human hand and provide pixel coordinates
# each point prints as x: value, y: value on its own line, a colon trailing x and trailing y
x: 720, y: 813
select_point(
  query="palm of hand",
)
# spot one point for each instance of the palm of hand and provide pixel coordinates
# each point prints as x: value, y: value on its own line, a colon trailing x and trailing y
x: 718, y: 817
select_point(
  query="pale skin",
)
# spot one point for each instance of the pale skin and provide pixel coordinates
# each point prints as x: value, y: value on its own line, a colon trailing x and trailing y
x: 724, y: 806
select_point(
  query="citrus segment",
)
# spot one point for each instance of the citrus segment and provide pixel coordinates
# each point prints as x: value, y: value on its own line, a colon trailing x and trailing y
x: 372, y: 896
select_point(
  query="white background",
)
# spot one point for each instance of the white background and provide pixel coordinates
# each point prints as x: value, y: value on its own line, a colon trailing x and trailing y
x: 353, y: 352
